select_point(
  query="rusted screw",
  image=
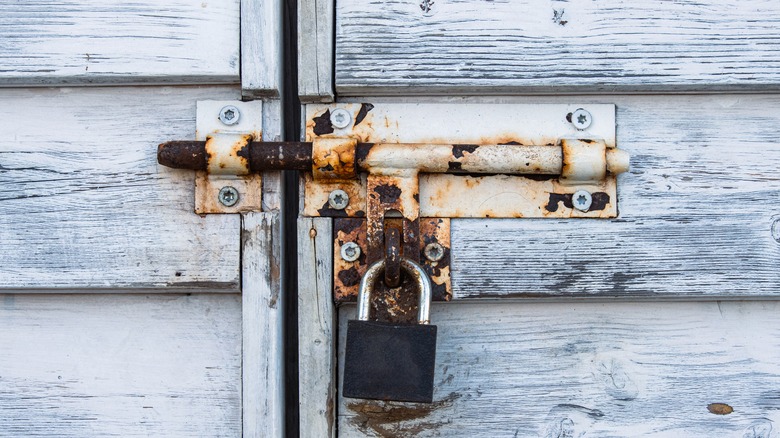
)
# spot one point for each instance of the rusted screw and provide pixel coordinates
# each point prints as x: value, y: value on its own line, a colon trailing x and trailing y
x: 229, y: 115
x: 581, y: 200
x: 338, y: 199
x: 581, y: 119
x: 340, y: 118
x: 434, y: 251
x: 350, y: 251
x: 228, y: 196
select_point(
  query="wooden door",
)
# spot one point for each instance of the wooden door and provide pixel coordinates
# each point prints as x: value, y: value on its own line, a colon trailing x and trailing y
x: 122, y: 312
x: 660, y: 322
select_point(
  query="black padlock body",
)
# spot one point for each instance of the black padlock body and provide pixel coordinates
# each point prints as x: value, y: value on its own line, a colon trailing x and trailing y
x: 387, y: 361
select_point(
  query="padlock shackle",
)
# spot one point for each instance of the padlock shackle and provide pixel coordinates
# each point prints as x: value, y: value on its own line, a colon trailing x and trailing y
x: 414, y: 271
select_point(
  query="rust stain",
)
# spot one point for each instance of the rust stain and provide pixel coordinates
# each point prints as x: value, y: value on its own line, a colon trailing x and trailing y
x: 334, y: 159
x: 394, y: 419
x: 364, y: 109
x: 600, y: 201
x: 391, y: 304
x: 437, y: 230
x: 388, y: 193
x: 458, y: 150
x: 322, y: 124
x: 719, y: 408
x: 347, y: 275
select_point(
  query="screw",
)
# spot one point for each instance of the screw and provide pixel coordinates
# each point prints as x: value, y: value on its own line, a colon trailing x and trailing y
x: 340, y: 118
x: 338, y: 199
x: 581, y: 119
x: 581, y: 200
x: 229, y: 115
x: 434, y: 251
x: 350, y: 251
x: 228, y: 196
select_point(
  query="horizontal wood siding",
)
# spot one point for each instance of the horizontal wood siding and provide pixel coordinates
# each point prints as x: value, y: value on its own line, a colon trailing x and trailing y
x: 120, y: 365
x: 587, y: 369
x: 525, y: 46
x: 109, y: 42
x: 84, y: 204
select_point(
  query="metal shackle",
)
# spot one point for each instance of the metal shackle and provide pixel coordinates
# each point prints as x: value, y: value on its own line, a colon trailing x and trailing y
x: 414, y: 271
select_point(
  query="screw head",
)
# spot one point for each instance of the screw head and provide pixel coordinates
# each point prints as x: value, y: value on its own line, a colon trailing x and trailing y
x: 581, y: 200
x: 228, y: 196
x: 434, y: 251
x: 350, y: 251
x: 229, y: 115
x: 581, y: 119
x: 338, y: 199
x: 340, y: 118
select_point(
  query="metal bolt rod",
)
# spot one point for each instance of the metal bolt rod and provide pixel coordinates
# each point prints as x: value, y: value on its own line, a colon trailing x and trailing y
x: 431, y: 158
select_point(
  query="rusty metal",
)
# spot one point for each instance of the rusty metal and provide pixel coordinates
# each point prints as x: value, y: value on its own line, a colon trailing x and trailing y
x: 347, y: 275
x: 341, y: 158
x: 208, y: 187
x: 437, y: 231
x: 392, y: 260
x: 333, y: 158
x: 260, y: 156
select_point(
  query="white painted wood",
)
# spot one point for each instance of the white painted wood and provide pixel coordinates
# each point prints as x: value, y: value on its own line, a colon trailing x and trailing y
x: 263, y: 311
x: 315, y: 50
x: 108, y: 42
x: 120, y: 365
x: 460, y: 47
x: 261, y: 48
x: 316, y: 323
x: 84, y: 204
x: 570, y: 369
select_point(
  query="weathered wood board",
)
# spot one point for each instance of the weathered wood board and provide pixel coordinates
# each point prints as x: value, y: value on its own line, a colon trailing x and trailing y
x: 403, y: 47
x: 120, y: 365
x: 316, y: 328
x: 84, y: 204
x: 697, y: 214
x: 570, y: 369
x: 107, y: 42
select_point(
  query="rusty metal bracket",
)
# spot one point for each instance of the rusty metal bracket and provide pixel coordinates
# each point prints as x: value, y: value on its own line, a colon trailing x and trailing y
x: 399, y: 303
x: 225, y: 184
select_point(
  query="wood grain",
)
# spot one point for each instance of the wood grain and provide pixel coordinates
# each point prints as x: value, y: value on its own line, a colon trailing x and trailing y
x: 571, y: 369
x: 120, y: 365
x: 84, y: 204
x: 400, y: 47
x: 316, y: 325
x: 262, y: 307
x: 107, y: 42
x: 315, y: 50
x: 261, y: 46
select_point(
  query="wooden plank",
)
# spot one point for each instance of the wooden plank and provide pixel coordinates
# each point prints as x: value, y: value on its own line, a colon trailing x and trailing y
x: 263, y: 309
x: 84, y: 204
x: 120, y: 365
x: 696, y: 217
x: 583, y: 46
x: 106, y: 42
x: 315, y: 50
x: 316, y: 322
x: 590, y: 369
x: 261, y: 48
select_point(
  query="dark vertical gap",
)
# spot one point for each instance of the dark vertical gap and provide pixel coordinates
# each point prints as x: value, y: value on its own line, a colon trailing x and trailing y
x: 291, y: 108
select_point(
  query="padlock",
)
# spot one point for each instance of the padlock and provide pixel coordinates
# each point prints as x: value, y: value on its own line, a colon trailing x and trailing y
x: 391, y: 361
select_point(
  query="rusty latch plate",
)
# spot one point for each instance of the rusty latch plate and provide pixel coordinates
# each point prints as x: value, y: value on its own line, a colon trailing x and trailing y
x: 347, y: 274
x: 468, y: 196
